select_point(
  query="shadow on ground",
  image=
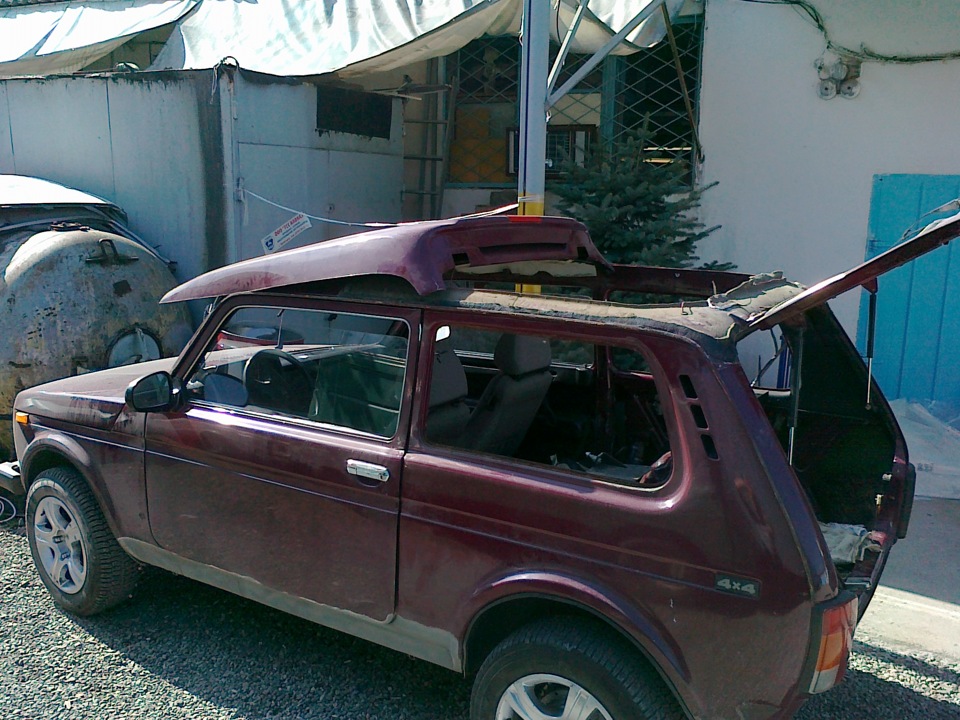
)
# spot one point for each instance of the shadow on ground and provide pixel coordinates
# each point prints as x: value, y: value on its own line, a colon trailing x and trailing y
x: 267, y: 664
x: 934, y: 532
x: 208, y: 632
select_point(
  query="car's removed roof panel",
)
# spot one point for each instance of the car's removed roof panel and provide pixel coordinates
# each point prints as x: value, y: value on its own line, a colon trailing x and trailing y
x: 421, y: 253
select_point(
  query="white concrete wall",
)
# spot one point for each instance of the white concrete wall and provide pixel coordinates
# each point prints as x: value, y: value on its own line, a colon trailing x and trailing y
x: 159, y: 146
x: 133, y: 143
x: 282, y: 157
x: 795, y: 172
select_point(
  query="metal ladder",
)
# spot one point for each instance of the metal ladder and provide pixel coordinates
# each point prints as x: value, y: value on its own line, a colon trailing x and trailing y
x: 431, y: 162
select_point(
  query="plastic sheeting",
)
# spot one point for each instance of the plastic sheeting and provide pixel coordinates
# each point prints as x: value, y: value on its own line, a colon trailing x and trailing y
x: 64, y: 37
x: 293, y: 38
x: 934, y: 447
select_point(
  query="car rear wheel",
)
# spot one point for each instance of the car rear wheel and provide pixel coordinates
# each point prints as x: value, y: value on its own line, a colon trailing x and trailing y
x: 566, y: 669
x: 76, y: 555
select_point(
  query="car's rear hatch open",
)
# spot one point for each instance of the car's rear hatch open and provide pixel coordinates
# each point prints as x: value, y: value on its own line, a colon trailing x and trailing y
x: 838, y: 431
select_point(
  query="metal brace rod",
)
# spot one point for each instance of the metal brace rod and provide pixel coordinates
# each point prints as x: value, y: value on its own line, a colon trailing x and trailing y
x: 795, y: 374
x: 600, y: 54
x: 871, y: 341
x: 698, y: 150
x: 565, y: 45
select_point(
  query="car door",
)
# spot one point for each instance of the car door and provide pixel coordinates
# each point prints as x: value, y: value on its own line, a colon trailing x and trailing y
x: 282, y: 465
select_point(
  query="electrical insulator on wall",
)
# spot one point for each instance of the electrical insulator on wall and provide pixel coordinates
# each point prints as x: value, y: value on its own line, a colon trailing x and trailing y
x: 827, y: 89
x: 850, y: 88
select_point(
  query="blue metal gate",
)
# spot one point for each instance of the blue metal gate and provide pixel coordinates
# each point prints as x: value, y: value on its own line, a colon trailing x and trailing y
x: 918, y: 311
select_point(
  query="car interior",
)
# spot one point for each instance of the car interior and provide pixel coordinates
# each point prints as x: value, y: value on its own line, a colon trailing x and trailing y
x: 841, y: 446
x: 575, y: 406
x: 331, y: 368
x: 544, y: 401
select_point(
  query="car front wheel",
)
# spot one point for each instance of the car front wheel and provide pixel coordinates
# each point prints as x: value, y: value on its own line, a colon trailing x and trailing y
x: 76, y: 555
x: 566, y: 669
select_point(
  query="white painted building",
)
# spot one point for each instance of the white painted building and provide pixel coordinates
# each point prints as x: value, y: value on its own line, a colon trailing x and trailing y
x: 812, y: 185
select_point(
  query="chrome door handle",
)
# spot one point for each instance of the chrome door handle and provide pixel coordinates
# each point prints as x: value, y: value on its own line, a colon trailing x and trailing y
x: 368, y: 470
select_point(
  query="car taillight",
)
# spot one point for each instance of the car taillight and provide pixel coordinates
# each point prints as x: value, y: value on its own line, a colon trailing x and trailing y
x: 837, y: 625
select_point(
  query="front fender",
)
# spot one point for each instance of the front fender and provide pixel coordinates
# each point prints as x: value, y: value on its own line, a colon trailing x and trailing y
x: 93, y: 459
x: 48, y: 442
x: 52, y: 441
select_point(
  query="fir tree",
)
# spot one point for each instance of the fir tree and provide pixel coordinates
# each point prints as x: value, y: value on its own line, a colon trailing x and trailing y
x: 637, y: 212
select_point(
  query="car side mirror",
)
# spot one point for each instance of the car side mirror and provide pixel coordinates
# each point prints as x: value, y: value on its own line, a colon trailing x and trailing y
x: 152, y: 393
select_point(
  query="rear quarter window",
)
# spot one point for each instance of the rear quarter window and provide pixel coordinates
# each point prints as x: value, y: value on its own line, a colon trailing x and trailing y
x: 542, y: 400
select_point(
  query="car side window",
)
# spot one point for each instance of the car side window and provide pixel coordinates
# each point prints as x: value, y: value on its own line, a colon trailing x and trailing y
x: 541, y: 400
x: 340, y: 369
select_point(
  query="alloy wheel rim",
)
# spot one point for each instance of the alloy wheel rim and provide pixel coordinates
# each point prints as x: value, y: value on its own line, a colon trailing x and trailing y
x: 60, y: 545
x: 549, y: 697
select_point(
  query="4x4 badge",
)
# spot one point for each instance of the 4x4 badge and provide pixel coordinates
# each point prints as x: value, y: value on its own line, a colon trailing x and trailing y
x: 737, y: 585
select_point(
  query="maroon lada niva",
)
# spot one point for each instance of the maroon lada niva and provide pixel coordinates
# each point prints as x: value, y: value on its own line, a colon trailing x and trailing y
x: 596, y: 505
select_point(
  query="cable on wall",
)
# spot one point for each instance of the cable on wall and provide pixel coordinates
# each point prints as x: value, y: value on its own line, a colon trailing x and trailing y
x: 864, y: 54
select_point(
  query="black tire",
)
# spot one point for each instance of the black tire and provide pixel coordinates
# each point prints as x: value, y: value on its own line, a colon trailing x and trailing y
x: 585, y: 653
x: 97, y: 573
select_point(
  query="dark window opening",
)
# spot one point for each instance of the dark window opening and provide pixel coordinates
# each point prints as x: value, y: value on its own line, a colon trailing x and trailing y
x: 565, y: 143
x: 353, y: 111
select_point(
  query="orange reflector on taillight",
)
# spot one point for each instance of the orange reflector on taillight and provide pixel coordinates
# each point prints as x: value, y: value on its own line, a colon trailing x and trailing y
x: 836, y: 639
x: 21, y: 418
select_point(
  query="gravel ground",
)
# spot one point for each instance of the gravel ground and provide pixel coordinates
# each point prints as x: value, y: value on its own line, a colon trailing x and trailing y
x: 183, y: 651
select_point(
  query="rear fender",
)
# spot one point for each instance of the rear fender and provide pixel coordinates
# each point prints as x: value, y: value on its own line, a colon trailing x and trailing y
x: 647, y: 634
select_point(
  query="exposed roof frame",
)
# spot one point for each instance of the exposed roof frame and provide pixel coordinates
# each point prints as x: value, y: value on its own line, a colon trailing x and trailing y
x: 554, y: 95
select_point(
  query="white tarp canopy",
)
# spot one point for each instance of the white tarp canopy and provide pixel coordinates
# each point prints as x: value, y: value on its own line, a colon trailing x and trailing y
x: 292, y: 37
x: 63, y: 37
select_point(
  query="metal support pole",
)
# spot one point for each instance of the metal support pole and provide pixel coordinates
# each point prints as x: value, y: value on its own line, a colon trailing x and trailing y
x: 697, y: 150
x: 537, y: 96
x: 534, y: 61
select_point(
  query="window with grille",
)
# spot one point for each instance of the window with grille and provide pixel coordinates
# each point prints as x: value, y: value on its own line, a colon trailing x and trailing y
x: 649, y: 91
x: 623, y: 93
x: 486, y: 108
x: 564, y: 143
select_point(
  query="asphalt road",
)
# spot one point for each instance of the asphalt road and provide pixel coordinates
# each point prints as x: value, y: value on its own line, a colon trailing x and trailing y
x: 917, y: 606
x: 183, y: 651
